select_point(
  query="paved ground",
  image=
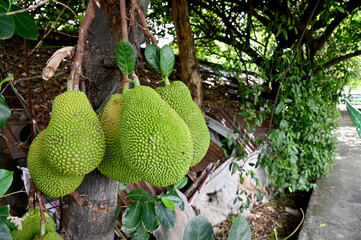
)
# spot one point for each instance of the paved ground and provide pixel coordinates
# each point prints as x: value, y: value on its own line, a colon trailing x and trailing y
x: 334, y: 211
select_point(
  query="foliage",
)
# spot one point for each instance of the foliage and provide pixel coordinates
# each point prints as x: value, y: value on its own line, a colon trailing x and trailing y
x: 148, y: 211
x: 240, y: 229
x: 198, y: 228
x: 6, y: 178
x: 21, y: 23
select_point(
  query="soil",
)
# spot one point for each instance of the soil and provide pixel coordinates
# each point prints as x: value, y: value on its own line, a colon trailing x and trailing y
x: 265, y: 219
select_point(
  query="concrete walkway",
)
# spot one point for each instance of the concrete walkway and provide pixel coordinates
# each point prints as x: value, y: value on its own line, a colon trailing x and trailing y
x: 334, y: 211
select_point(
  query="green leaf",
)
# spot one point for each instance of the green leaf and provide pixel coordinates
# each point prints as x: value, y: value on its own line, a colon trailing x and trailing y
x: 181, y: 183
x: 166, y: 60
x: 240, y: 229
x: 126, y: 230
x: 279, y: 107
x: 25, y: 25
x: 6, y: 178
x: 4, y: 214
x: 5, y: 114
x: 174, y: 198
x: 140, y: 229
x: 122, y: 186
x: 198, y: 228
x: 125, y: 57
x: 7, y: 26
x: 152, y: 54
x: 165, y: 215
x: 149, y: 218
x: 5, y: 232
x: 6, y: 79
x: 168, y: 203
x: 131, y: 216
x: 138, y: 236
x: 138, y: 194
x: 118, y: 211
x: 283, y: 124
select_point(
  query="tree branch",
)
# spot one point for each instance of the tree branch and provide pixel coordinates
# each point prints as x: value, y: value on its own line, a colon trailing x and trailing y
x: 76, y: 70
x: 337, y: 61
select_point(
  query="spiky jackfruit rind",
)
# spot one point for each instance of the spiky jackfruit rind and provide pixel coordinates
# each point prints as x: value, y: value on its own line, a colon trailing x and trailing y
x: 74, y: 143
x: 50, y: 181
x: 49, y: 236
x: 113, y: 165
x: 31, y: 226
x: 156, y: 142
x: 177, y: 95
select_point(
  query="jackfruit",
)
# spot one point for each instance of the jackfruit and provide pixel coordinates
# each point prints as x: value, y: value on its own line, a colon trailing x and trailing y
x: 50, y: 181
x: 49, y: 236
x: 156, y: 142
x: 74, y: 143
x: 113, y: 165
x: 177, y: 95
x: 31, y: 226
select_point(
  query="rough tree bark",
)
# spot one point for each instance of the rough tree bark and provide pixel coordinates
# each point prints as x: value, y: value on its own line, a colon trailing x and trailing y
x: 187, y: 54
x: 96, y: 219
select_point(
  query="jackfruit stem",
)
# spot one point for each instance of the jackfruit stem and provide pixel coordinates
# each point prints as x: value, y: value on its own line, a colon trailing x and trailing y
x: 166, y: 80
x: 42, y: 229
x: 136, y: 82
x: 125, y: 87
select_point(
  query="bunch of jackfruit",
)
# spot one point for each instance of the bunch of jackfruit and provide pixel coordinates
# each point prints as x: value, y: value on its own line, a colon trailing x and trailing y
x: 72, y: 145
x: 30, y: 229
x: 144, y: 134
x: 153, y: 135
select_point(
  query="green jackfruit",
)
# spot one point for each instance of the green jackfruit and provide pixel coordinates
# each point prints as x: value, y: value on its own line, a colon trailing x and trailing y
x: 49, y: 236
x: 31, y: 226
x: 177, y: 95
x: 50, y: 181
x: 156, y: 142
x: 74, y: 143
x: 113, y: 165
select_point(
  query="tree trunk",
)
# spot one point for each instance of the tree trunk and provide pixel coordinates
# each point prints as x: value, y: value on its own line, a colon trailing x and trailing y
x: 187, y: 54
x: 96, y: 220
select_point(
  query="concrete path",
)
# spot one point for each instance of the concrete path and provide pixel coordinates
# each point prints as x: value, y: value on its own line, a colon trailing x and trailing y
x: 334, y: 211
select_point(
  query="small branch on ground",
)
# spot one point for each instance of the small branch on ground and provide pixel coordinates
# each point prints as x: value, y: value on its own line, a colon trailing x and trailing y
x: 78, y: 199
x: 76, y: 70
x: 299, y: 225
x: 24, y: 150
x: 54, y: 61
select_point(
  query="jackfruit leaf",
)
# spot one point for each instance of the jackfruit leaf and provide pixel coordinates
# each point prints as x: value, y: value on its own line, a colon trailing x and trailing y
x: 149, y: 218
x: 165, y: 215
x: 174, y: 198
x: 240, y: 229
x: 152, y: 54
x: 138, y: 194
x: 25, y: 25
x: 6, y: 178
x: 7, y: 26
x: 168, y: 203
x: 4, y: 214
x: 166, y: 60
x: 198, y: 228
x: 131, y: 216
x: 181, y: 183
x: 122, y: 186
x: 138, y: 236
x: 125, y: 57
x: 5, y: 232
